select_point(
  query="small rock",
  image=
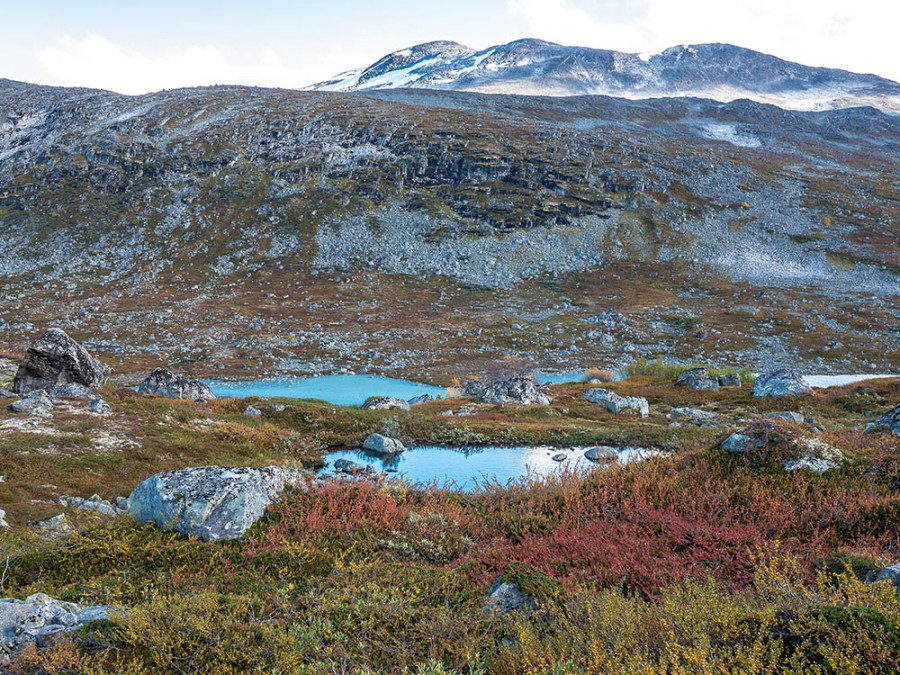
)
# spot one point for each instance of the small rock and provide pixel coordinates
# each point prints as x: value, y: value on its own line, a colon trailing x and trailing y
x: 277, y: 407
x: 253, y: 411
x: 99, y: 407
x: 424, y: 398
x: 890, y: 420
x: 348, y: 467
x: 383, y: 445
x: 385, y: 403
x: 729, y: 380
x: 737, y: 442
x: 693, y: 413
x: 891, y: 574
x: 559, y: 457
x: 794, y: 417
x: 602, y: 453
x: 36, y: 403
x: 72, y: 390
x: 698, y: 378
x: 507, y: 597
x: 616, y: 403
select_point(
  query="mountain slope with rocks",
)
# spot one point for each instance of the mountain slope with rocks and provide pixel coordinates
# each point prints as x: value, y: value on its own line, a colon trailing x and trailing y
x: 233, y: 230
x: 537, y: 68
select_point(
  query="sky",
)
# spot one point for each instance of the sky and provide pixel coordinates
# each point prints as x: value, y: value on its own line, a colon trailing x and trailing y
x: 137, y: 46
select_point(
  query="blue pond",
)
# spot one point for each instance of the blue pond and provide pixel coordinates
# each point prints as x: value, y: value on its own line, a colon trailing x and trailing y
x: 337, y: 389
x: 463, y: 468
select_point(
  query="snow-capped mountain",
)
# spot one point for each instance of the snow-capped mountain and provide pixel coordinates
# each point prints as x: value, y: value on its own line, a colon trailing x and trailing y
x: 534, y: 67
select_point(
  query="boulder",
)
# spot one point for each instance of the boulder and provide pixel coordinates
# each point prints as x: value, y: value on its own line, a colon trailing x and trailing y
x: 349, y: 467
x: 252, y: 411
x: 506, y: 596
x: 616, y: 403
x: 891, y: 574
x: 808, y: 454
x: 6, y: 393
x: 99, y: 407
x: 36, y: 403
x: 559, y: 457
x: 210, y: 502
x: 784, y: 382
x: 163, y: 382
x: 383, y: 445
x: 890, y: 420
x: 786, y: 416
x: 72, y: 390
x: 602, y: 453
x: 424, y: 398
x: 737, y: 442
x: 473, y: 388
x: 385, y: 403
x: 698, y: 378
x: 55, y: 358
x: 729, y: 380
x: 522, y: 390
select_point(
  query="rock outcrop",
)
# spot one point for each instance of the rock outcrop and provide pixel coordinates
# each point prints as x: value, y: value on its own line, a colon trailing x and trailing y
x: 522, y: 390
x: 616, y: 403
x: 385, y: 403
x: 54, y: 359
x: 383, y: 445
x: 506, y: 596
x: 210, y: 502
x: 163, y: 382
x: 39, y: 618
x: 784, y: 382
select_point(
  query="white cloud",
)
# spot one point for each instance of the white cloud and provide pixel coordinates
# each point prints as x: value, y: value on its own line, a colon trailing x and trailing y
x: 94, y: 61
x: 858, y: 36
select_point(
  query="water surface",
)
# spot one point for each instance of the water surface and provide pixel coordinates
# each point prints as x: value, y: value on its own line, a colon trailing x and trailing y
x: 462, y: 468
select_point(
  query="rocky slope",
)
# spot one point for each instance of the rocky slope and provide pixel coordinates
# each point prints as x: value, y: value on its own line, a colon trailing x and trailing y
x: 534, y: 67
x: 234, y: 230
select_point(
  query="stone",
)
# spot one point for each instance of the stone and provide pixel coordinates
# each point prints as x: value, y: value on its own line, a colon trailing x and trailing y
x: 41, y: 619
x: 253, y: 411
x: 3, y: 523
x: 506, y: 596
x: 794, y: 417
x: 784, y: 382
x: 121, y: 503
x: 210, y: 502
x: 385, y: 403
x: 737, y: 442
x: 72, y: 390
x: 424, y: 398
x: 810, y: 464
x: 693, y: 413
x: 559, y: 457
x: 35, y: 403
x: 99, y: 407
x: 473, y: 388
x: 163, y: 382
x: 698, y: 378
x: 522, y: 390
x: 349, y: 467
x: 616, y: 403
x: 383, y: 445
x: 602, y: 453
x: 277, y: 407
x: 891, y: 574
x: 6, y: 393
x: 729, y: 380
x: 890, y: 420
x: 54, y: 359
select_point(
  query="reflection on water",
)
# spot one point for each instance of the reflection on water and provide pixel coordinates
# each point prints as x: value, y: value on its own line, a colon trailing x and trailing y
x: 464, y: 468
x: 840, y: 380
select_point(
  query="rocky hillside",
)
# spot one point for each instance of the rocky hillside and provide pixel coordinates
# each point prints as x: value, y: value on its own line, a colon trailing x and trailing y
x: 533, y: 67
x: 236, y: 230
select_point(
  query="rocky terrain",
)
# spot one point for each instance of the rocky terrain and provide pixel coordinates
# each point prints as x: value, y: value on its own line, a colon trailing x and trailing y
x: 240, y: 232
x: 537, y: 68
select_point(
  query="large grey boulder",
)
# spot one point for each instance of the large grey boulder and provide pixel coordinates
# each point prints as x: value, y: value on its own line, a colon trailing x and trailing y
x: 39, y: 615
x: 35, y: 403
x: 698, y: 378
x: 163, y: 382
x: 383, y: 445
x: 521, y: 390
x: 385, y: 403
x: 616, y: 403
x: 602, y: 453
x: 55, y: 358
x: 210, y: 502
x: 890, y: 420
x: 784, y: 382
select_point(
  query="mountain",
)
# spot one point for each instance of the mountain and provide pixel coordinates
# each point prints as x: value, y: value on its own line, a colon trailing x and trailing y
x: 234, y: 231
x: 533, y: 67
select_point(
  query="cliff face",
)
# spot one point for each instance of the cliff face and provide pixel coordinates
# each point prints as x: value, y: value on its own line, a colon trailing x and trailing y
x: 227, y: 226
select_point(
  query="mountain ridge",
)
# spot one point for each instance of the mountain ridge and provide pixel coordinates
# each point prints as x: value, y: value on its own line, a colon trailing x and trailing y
x: 529, y: 66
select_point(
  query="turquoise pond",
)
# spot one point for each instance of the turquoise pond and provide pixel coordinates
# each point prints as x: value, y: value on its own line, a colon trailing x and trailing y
x: 465, y: 468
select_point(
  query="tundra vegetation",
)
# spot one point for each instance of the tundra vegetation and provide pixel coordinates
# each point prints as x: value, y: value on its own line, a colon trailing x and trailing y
x: 699, y: 561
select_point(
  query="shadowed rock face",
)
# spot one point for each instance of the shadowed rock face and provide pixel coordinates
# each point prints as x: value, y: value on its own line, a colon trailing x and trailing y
x: 54, y: 359
x: 210, y: 502
x: 164, y: 382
